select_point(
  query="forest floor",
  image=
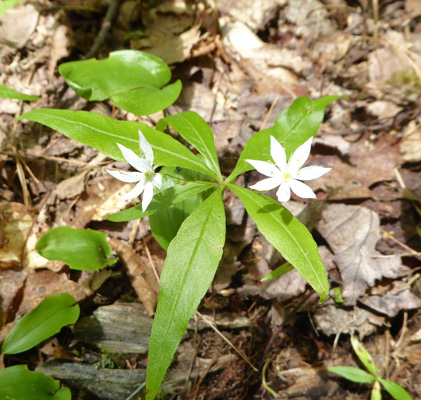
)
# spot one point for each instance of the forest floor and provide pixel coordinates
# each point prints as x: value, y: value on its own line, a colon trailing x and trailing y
x: 241, y: 63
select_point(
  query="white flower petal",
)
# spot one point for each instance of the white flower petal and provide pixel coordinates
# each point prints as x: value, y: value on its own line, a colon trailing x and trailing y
x: 301, y: 189
x: 266, y: 184
x: 300, y: 156
x: 147, y: 195
x: 264, y: 167
x: 134, y: 160
x: 157, y: 180
x: 309, y: 173
x: 126, y: 176
x: 135, y: 192
x: 278, y: 153
x: 145, y: 147
x: 284, y: 192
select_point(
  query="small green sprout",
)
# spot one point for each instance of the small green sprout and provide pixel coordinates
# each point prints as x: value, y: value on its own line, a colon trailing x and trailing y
x: 360, y: 376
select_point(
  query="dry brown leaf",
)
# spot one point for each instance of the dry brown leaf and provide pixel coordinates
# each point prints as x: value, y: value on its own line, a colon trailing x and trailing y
x: 369, y: 163
x: 171, y: 32
x: 383, y: 109
x: 15, y: 222
x: 61, y: 44
x: 411, y: 143
x: 352, y: 233
x: 332, y: 319
x: 256, y: 14
x: 42, y: 284
x: 311, y: 19
x: 390, y: 303
x: 11, y: 282
x: 17, y: 25
x: 141, y: 274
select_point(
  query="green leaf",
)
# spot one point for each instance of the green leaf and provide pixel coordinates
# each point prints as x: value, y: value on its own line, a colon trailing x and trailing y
x: 193, y: 128
x: 376, y: 392
x: 192, y: 260
x: 337, y: 294
x: 282, y: 270
x: 17, y: 383
x: 148, y: 100
x: 163, y: 200
x: 166, y: 223
x: 134, y: 81
x: 83, y: 249
x: 353, y: 374
x: 44, y: 321
x: 395, y: 390
x: 364, y: 356
x: 6, y: 4
x: 292, y: 128
x: 288, y: 235
x: 103, y: 133
x: 8, y: 93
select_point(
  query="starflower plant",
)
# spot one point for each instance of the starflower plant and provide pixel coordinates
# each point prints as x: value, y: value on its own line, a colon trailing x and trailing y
x: 196, y: 244
x: 287, y: 175
x: 146, y: 177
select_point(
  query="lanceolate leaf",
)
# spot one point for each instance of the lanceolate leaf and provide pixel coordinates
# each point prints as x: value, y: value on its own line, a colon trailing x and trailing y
x: 353, y: 374
x: 364, y: 356
x: 162, y: 200
x: 17, y: 383
x: 196, y: 131
x: 282, y: 270
x: 288, y: 235
x: 192, y: 260
x: 103, y: 133
x: 396, y: 391
x: 44, y: 321
x: 292, y: 128
x: 8, y: 93
x: 83, y: 249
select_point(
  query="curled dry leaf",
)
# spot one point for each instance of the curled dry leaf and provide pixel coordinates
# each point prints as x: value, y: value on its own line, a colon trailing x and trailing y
x: 352, y: 233
x: 390, y: 303
x: 15, y: 222
x: 142, y: 277
x: 333, y: 319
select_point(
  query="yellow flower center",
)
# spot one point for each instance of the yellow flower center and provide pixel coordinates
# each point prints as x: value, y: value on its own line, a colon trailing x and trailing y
x: 286, y: 176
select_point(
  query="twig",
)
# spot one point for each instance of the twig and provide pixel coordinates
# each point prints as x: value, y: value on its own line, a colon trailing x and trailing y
x: 212, y: 362
x: 390, y: 236
x: 105, y: 28
x: 242, y: 355
x: 149, y: 254
x: 272, y: 106
x: 137, y: 391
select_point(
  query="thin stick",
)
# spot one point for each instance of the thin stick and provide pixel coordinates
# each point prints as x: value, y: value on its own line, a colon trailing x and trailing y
x: 212, y: 362
x: 105, y: 28
x: 149, y: 254
x: 268, y: 113
x: 242, y: 355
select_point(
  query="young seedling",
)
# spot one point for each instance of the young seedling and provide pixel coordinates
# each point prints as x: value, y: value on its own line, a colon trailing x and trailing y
x: 360, y: 376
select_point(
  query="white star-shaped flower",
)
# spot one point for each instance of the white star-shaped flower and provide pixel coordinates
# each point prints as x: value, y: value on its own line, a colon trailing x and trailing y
x: 287, y: 175
x: 146, y: 178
